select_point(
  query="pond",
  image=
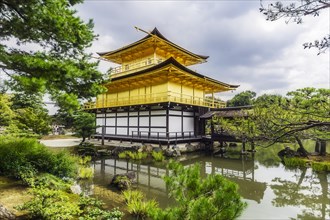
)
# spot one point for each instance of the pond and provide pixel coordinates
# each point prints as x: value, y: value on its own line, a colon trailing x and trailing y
x: 271, y: 190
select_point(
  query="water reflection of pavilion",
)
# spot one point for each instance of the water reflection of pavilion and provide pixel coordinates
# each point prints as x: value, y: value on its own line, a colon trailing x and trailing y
x: 149, y: 176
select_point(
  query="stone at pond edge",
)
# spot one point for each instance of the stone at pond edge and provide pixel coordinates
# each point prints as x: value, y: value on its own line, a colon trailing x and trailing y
x: 123, y: 181
x: 287, y: 152
x: 5, y: 213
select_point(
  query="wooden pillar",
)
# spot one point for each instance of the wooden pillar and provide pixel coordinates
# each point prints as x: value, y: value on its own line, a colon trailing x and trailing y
x: 103, y: 133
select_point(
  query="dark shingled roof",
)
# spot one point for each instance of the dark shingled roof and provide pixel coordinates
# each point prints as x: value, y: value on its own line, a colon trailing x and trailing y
x: 229, y: 112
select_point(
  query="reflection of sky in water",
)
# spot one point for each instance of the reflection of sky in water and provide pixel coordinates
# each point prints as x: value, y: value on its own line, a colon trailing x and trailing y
x: 259, y: 185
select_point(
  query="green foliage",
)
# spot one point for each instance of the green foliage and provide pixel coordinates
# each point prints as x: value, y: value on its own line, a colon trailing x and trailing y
x: 158, y: 156
x: 136, y: 204
x: 294, y: 162
x: 92, y: 209
x: 50, y: 204
x: 133, y: 155
x: 27, y: 156
x: 213, y: 197
x: 123, y: 182
x: 321, y: 166
x: 86, y: 149
x: 58, y: 62
x: 52, y: 199
x: 84, y: 124
x: 242, y: 99
x: 85, y: 161
x: 23, y: 115
x: 85, y: 172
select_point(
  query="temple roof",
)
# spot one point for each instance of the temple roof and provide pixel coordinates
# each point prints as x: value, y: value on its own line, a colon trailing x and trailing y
x: 179, y: 70
x: 113, y: 55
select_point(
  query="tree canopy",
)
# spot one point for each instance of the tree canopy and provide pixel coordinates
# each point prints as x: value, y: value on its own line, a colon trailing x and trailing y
x: 42, y: 49
x: 295, y: 12
x: 242, y: 99
x: 302, y: 114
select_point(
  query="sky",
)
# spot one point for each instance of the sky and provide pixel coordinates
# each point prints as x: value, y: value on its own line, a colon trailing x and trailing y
x: 244, y: 48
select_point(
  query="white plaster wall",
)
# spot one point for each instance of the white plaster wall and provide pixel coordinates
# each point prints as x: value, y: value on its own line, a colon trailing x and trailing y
x: 122, y: 114
x: 122, y: 131
x: 100, y: 121
x: 174, y: 124
x: 133, y: 121
x: 158, y: 112
x: 188, y: 124
x: 110, y: 130
x: 111, y: 121
x: 144, y: 121
x: 100, y: 115
x: 158, y: 121
x: 188, y: 113
x: 122, y: 121
x: 175, y: 112
x: 144, y: 113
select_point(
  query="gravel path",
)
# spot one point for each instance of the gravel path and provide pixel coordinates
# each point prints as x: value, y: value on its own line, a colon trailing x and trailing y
x: 61, y: 142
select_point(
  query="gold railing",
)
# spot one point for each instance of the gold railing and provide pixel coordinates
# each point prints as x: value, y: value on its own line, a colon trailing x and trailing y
x: 134, y: 67
x: 156, y: 98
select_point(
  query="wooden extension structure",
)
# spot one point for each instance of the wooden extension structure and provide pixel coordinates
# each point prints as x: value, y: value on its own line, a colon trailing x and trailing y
x: 153, y: 96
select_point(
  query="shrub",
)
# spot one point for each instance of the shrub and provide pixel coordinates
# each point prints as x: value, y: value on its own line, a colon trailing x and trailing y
x: 294, y: 162
x: 54, y: 200
x: 133, y: 155
x: 136, y: 204
x: 92, y: 209
x: 50, y: 204
x: 158, y: 156
x: 86, y: 149
x: 85, y: 172
x: 18, y: 154
x: 213, y: 197
x: 321, y: 166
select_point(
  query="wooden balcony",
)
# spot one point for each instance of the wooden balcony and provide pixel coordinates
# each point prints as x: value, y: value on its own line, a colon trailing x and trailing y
x: 134, y: 67
x: 156, y: 98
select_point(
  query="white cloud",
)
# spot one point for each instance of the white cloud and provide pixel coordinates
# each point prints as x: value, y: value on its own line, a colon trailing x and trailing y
x: 244, y: 48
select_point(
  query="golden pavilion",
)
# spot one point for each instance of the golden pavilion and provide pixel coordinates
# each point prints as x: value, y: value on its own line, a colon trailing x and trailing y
x: 153, y: 96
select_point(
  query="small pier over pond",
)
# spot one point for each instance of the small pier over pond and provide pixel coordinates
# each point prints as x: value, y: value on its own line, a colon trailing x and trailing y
x: 217, y: 133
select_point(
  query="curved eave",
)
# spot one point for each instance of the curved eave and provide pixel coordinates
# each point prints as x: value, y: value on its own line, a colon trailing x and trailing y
x: 172, y: 61
x: 157, y: 34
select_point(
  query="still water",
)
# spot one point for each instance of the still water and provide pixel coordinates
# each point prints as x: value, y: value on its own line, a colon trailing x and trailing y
x: 271, y: 190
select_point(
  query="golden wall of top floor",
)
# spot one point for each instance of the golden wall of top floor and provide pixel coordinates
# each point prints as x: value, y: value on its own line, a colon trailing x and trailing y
x: 166, y: 91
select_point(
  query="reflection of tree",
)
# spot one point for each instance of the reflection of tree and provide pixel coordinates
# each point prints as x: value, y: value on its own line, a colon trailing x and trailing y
x: 268, y: 156
x: 313, y: 196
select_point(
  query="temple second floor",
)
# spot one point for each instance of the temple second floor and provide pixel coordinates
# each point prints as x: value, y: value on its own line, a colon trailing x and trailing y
x: 168, y: 81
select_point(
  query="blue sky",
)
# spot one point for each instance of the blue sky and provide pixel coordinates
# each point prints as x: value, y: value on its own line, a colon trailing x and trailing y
x: 244, y: 48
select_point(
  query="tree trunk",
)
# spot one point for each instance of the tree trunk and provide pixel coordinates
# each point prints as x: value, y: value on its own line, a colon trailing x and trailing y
x: 301, y: 150
x: 317, y: 146
x: 323, y: 145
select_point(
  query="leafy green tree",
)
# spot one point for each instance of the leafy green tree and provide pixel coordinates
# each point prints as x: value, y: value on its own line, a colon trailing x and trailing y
x: 294, y: 12
x: 7, y: 114
x: 302, y: 114
x: 84, y: 124
x: 42, y: 49
x: 213, y: 197
x: 242, y: 99
x: 31, y: 112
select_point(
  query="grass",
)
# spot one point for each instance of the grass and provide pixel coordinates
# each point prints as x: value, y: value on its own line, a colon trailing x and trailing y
x: 158, y: 156
x: 137, y: 205
x: 133, y: 155
x: 318, y: 166
x: 294, y: 162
